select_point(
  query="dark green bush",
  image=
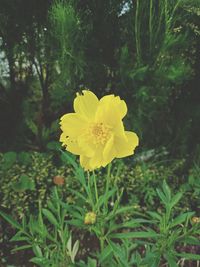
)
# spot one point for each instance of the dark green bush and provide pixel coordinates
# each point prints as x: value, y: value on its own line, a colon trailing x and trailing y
x: 27, y: 178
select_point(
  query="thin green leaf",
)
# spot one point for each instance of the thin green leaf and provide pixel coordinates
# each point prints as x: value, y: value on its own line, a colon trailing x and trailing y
x: 180, y: 219
x: 129, y: 224
x: 22, y: 248
x: 92, y: 262
x: 69, y: 158
x: 117, y: 250
x: 124, y: 209
x: 188, y: 256
x: 10, y: 220
x: 105, y: 253
x: 176, y: 199
x: 104, y: 198
x: 140, y: 220
x: 69, y: 244
x: 39, y: 261
x: 78, y: 223
x: 74, y: 251
x: 155, y: 215
x: 18, y: 237
x: 51, y: 206
x: 167, y: 191
x: 135, y: 235
x: 171, y: 259
x: 151, y: 259
x: 79, y: 195
x: 81, y: 177
x: 37, y: 250
x: 24, y: 222
x: 162, y: 197
x: 50, y: 217
x: 191, y: 240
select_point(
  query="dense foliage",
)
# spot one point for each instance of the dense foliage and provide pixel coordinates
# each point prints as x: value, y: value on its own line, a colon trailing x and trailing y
x: 29, y: 177
x: 56, y: 213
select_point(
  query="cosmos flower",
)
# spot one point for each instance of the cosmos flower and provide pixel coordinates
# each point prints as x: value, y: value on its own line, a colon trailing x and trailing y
x: 95, y: 131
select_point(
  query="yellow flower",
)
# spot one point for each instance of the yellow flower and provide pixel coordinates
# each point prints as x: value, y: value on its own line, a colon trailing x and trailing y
x: 90, y: 218
x: 96, y: 131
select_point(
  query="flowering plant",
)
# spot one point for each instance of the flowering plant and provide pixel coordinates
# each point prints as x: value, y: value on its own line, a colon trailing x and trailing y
x: 96, y: 132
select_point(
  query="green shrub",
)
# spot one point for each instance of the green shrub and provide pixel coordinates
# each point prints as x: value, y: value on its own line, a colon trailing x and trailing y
x: 124, y: 235
x: 27, y: 178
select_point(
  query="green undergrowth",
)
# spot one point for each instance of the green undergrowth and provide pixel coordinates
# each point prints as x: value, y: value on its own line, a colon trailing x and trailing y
x: 27, y: 177
x: 124, y: 215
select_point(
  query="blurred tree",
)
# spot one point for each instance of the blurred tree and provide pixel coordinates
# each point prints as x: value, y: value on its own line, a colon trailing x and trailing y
x: 32, y: 49
x: 100, y: 22
x: 17, y: 18
x: 156, y: 64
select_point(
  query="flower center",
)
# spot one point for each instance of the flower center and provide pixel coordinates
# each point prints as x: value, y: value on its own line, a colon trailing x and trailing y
x: 99, y: 133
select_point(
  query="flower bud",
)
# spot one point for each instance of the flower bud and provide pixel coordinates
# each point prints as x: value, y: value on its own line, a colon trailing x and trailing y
x: 58, y: 180
x: 90, y: 218
x: 196, y: 219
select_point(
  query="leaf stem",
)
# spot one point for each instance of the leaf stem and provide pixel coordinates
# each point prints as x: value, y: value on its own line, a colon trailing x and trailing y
x: 150, y: 24
x: 95, y: 188
x: 137, y: 33
x: 108, y: 178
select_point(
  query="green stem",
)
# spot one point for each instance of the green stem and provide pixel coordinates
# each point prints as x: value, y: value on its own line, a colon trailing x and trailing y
x: 108, y: 178
x: 137, y: 33
x: 166, y: 15
x: 176, y: 6
x: 58, y: 203
x: 95, y: 188
x: 102, y: 243
x: 161, y: 15
x: 89, y: 192
x: 108, y: 182
x: 102, y: 238
x: 172, y: 14
x: 88, y: 179
x: 168, y: 212
x: 150, y: 24
x: 117, y: 259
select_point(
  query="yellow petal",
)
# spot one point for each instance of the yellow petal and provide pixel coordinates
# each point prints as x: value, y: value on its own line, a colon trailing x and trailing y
x: 126, y: 148
x: 85, y: 163
x: 109, y: 151
x: 111, y: 110
x: 86, y: 146
x: 63, y: 139
x: 103, y: 155
x: 115, y: 102
x: 86, y: 104
x: 72, y: 146
x: 119, y: 131
x: 97, y: 160
x: 72, y: 124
